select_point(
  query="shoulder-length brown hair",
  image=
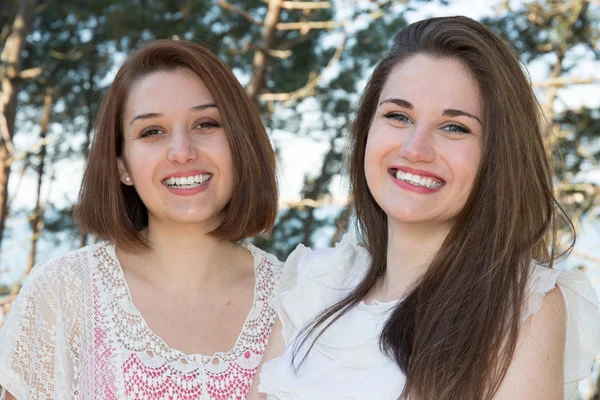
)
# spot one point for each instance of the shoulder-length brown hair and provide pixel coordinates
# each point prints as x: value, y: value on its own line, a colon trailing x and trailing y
x: 455, y: 333
x: 115, y: 212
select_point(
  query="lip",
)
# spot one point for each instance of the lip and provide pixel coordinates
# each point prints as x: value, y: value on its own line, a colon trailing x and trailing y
x: 416, y: 189
x: 187, y: 192
x: 185, y: 174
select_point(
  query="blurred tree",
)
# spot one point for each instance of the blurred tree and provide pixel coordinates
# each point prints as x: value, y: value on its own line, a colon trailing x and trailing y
x: 563, y: 35
x: 13, y: 36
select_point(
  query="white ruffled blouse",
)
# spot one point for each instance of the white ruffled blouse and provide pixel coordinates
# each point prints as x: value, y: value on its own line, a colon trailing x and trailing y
x: 346, y: 361
x: 75, y: 333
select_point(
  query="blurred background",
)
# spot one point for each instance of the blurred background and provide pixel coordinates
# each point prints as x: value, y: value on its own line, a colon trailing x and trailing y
x: 304, y: 63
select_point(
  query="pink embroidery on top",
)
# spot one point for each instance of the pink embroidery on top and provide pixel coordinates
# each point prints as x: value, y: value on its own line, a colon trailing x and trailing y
x: 152, y: 370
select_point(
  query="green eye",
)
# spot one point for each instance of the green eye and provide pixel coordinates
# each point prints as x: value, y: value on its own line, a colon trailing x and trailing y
x: 397, y: 116
x: 454, y: 128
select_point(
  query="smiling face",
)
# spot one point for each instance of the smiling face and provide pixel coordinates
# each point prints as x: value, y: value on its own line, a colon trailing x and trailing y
x: 424, y: 144
x: 175, y: 150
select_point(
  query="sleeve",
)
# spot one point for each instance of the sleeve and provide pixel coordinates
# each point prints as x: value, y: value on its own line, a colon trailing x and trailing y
x: 34, y: 345
x: 583, y: 320
x: 311, y: 281
x: 299, y: 269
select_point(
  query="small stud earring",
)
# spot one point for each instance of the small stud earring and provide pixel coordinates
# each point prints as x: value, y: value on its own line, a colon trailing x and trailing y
x: 127, y: 179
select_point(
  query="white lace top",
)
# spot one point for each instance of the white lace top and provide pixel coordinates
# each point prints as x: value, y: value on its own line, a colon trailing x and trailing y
x: 74, y: 333
x: 346, y: 362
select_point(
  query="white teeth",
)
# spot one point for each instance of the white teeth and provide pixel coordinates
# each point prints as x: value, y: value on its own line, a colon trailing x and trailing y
x: 418, y: 180
x: 188, y: 182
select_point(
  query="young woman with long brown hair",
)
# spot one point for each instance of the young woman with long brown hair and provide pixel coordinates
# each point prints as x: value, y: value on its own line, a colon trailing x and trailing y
x: 173, y: 305
x: 450, y: 292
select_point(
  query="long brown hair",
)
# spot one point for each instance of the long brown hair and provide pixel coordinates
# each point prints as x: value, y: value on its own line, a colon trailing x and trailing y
x: 115, y: 212
x: 455, y: 333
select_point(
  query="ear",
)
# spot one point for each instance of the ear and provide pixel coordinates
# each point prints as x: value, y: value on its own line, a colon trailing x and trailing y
x: 123, y: 174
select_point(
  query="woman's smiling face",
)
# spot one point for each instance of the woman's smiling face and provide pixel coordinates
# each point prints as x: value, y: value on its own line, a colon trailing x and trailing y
x: 176, y: 151
x: 425, y: 142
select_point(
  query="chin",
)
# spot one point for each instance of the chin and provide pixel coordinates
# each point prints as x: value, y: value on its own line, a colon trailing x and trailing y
x: 199, y: 218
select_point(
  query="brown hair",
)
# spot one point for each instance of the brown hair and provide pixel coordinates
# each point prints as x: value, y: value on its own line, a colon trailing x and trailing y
x: 115, y: 212
x: 455, y: 333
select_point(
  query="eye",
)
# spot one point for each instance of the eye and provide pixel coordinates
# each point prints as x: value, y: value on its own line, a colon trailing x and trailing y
x: 455, y: 128
x: 151, y: 132
x: 207, y: 124
x: 397, y: 116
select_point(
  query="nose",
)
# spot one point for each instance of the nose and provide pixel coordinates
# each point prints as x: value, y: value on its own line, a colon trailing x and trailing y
x: 418, y: 145
x: 182, y: 148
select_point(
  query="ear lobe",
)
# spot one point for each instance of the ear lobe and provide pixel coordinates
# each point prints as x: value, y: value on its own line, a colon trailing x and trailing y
x: 123, y: 174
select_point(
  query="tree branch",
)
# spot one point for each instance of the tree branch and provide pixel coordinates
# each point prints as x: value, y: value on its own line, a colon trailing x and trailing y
x: 587, y: 188
x: 305, y: 5
x: 585, y: 256
x: 259, y: 62
x: 305, y: 27
x: 281, y: 54
x: 233, y: 8
x: 31, y: 72
x: 7, y: 299
x: 565, y: 81
x: 310, y: 87
x: 310, y: 203
x: 34, y: 149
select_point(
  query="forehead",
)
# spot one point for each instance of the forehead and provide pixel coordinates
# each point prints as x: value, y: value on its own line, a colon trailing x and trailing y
x: 432, y: 82
x: 163, y: 91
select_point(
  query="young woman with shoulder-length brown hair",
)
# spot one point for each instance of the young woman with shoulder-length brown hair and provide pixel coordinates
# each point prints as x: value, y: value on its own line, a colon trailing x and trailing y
x: 114, y: 211
x: 173, y: 304
x: 452, y: 294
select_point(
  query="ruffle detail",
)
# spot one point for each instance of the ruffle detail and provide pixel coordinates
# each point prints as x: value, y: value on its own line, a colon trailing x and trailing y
x: 314, y: 280
x: 280, y: 385
x: 583, y: 319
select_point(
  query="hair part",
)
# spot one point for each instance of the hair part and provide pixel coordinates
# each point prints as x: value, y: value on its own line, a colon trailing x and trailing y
x: 455, y: 333
x: 115, y: 212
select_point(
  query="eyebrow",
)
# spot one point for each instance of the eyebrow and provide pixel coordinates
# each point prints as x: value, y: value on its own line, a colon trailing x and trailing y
x: 156, y: 115
x: 448, y: 112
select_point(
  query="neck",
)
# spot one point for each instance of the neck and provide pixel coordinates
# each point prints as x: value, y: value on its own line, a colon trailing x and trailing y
x: 411, y: 248
x: 184, y: 256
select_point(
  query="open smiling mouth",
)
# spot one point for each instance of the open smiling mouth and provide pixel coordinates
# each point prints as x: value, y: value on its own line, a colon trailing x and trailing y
x: 417, y: 180
x: 187, y: 182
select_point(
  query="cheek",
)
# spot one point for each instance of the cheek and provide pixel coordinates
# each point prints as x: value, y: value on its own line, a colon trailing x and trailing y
x: 139, y: 161
x: 225, y: 159
x: 371, y: 159
x: 465, y: 160
x: 374, y: 147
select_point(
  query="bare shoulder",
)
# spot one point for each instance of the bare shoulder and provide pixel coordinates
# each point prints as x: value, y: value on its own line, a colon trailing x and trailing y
x: 536, y: 370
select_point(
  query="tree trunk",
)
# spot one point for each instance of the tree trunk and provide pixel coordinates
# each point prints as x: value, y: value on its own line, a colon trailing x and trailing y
x: 37, y: 217
x: 596, y: 394
x: 83, y: 236
x: 259, y: 63
x: 9, y: 75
